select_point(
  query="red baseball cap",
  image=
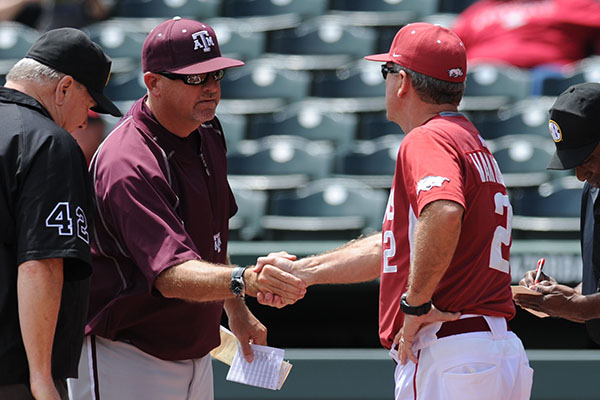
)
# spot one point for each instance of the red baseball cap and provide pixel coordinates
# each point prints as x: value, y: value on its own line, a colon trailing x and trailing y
x: 183, y: 46
x: 429, y: 49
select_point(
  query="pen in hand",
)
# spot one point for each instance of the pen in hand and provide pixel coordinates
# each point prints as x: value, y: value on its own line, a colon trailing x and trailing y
x: 538, y: 271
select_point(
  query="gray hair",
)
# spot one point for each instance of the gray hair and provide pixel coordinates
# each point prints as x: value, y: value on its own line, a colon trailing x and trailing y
x: 28, y: 69
x: 435, y: 91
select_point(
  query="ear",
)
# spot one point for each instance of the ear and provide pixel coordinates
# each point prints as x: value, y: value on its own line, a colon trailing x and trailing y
x: 152, y: 83
x: 65, y: 84
x: 402, y: 84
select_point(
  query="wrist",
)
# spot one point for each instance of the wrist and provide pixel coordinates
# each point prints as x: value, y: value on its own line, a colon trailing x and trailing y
x: 410, y: 309
x: 237, y: 284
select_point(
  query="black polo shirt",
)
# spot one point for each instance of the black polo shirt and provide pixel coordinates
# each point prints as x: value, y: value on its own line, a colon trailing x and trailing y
x: 45, y: 201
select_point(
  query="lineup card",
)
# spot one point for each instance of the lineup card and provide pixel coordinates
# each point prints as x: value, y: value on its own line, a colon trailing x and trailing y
x: 229, y: 351
x: 268, y: 369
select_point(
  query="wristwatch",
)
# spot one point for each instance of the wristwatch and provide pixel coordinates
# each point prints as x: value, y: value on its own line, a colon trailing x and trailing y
x: 237, y: 281
x: 414, y: 310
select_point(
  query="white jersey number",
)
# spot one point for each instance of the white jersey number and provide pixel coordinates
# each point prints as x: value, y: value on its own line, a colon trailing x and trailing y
x: 388, y: 236
x: 501, y: 234
x: 60, y: 217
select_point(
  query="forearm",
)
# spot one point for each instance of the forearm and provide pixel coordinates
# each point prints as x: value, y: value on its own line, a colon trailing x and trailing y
x: 39, y: 290
x: 586, y: 307
x: 357, y: 261
x: 200, y: 281
x: 435, y: 242
x: 196, y: 281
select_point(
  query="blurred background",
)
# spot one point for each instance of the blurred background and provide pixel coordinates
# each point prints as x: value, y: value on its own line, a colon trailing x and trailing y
x: 311, y: 153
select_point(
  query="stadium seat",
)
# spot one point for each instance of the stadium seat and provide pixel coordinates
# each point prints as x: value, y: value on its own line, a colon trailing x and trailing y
x: 117, y: 39
x: 307, y: 120
x: 252, y: 206
x: 491, y: 86
x: 247, y: 8
x: 234, y: 128
x: 454, y: 6
x: 238, y: 39
x: 278, y: 162
x: 372, y: 162
x: 587, y: 70
x: 261, y: 80
x: 323, y: 36
x: 164, y: 9
x: 529, y: 116
x: 325, y: 209
x: 360, y: 79
x: 420, y: 8
x: 126, y: 86
x: 522, y: 159
x: 372, y: 125
x: 15, y: 41
x: 550, y: 211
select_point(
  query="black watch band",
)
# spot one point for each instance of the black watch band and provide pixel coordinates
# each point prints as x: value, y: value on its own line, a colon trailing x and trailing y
x: 237, y: 285
x: 414, y: 310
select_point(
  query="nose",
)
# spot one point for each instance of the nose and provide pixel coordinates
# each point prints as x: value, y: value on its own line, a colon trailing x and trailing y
x: 211, y: 85
x: 582, y: 173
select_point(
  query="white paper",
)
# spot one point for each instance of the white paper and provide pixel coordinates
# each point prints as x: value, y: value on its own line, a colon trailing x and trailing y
x: 518, y: 289
x: 264, y: 371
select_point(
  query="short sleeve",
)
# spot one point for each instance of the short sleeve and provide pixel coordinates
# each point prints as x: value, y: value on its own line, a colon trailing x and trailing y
x: 137, y: 207
x: 431, y: 169
x: 54, y: 203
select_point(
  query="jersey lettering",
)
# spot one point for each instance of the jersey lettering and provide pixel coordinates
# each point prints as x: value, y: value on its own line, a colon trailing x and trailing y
x: 487, y: 167
x: 501, y: 234
x: 60, y: 218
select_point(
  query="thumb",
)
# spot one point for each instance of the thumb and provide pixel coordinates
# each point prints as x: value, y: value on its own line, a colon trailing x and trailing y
x: 247, y: 352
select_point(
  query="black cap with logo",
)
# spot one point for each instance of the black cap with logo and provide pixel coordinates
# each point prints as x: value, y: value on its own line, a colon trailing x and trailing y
x: 71, y: 52
x: 575, y: 125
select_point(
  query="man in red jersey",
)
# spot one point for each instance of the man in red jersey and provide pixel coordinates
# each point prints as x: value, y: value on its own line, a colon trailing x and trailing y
x: 443, y: 254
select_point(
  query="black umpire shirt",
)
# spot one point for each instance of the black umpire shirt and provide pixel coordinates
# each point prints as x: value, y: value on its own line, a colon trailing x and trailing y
x: 45, y: 206
x: 590, y: 250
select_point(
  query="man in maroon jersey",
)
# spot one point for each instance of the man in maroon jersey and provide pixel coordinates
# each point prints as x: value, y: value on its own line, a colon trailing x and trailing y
x: 161, y: 274
x: 443, y: 254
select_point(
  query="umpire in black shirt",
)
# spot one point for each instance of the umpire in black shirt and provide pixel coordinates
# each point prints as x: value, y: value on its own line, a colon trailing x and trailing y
x: 575, y: 127
x: 45, y: 209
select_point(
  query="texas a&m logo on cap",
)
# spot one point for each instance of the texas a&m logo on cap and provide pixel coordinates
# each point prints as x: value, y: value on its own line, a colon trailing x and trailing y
x: 203, y: 40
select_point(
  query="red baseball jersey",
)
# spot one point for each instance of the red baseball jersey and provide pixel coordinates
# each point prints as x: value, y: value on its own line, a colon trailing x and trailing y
x: 446, y: 159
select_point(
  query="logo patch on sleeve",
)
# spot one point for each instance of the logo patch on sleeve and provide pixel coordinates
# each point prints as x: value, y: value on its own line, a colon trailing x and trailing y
x: 429, y: 182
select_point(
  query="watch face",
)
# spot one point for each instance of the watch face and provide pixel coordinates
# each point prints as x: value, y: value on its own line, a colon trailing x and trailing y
x: 237, y: 287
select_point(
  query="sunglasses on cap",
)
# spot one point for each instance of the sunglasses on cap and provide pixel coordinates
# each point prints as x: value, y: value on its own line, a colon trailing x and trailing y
x: 195, y: 79
x: 385, y: 70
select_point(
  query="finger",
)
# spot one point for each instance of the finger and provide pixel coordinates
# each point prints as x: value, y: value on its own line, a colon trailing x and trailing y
x: 283, y: 254
x: 281, y: 282
x: 247, y: 351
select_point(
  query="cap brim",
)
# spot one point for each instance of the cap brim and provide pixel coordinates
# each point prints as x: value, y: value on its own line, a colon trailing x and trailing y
x: 211, y: 65
x: 384, y: 57
x: 570, y: 158
x: 104, y: 105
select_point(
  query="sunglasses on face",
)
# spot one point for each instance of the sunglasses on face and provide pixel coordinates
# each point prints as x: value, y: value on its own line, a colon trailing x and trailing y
x: 195, y: 79
x: 385, y: 70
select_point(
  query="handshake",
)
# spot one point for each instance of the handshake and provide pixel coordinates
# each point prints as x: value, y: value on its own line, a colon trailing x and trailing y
x: 277, y: 280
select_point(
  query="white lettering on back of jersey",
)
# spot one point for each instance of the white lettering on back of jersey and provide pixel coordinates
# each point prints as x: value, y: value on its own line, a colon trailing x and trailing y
x: 487, y: 167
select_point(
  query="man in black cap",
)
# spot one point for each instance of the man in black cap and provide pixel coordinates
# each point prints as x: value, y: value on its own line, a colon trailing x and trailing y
x: 575, y: 128
x: 46, y: 204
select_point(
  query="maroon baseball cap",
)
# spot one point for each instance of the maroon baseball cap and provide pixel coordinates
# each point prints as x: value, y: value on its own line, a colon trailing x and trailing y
x: 183, y: 46
x: 429, y: 49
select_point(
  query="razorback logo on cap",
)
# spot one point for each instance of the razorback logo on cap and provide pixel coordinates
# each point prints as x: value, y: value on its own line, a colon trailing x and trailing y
x: 203, y: 40
x: 555, y: 131
x: 429, y: 182
x: 455, y: 73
